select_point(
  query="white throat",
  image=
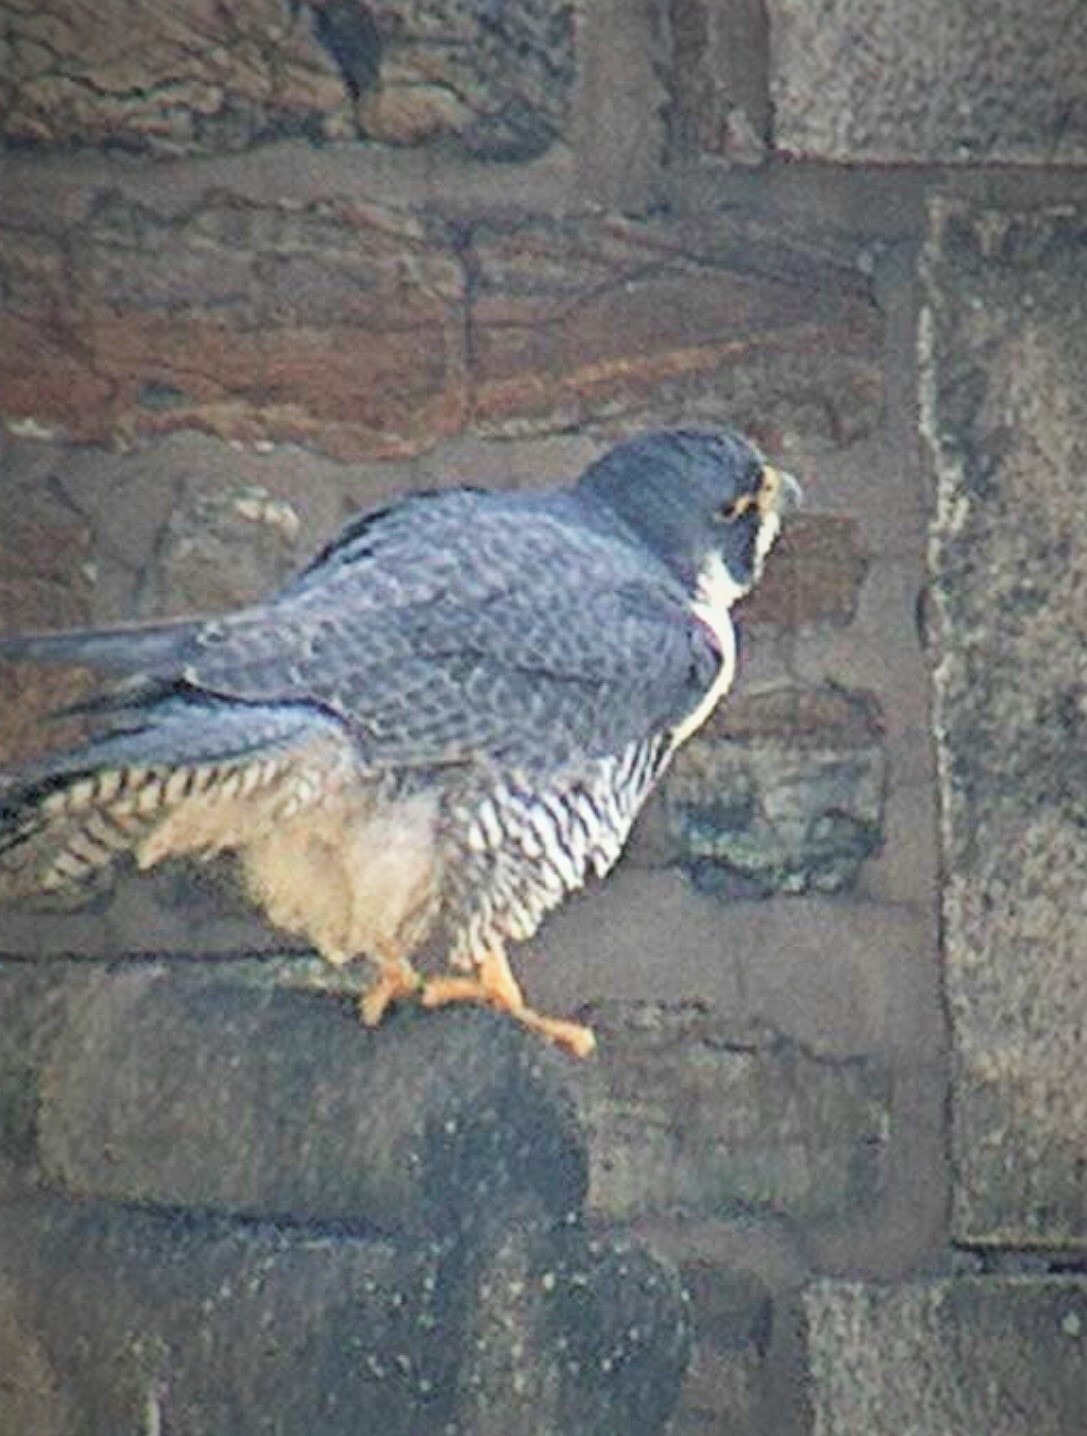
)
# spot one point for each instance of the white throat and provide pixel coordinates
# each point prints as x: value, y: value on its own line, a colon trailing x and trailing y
x: 717, y: 592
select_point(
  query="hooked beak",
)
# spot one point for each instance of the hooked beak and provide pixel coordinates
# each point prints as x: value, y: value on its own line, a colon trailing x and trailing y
x: 779, y: 491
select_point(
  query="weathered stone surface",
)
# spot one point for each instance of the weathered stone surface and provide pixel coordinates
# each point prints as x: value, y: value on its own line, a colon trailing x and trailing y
x: 1004, y: 353
x: 818, y: 568
x: 690, y: 1114
x: 784, y: 792
x: 334, y: 324
x: 46, y: 578
x: 130, y: 1321
x: 202, y: 77
x: 854, y: 80
x: 365, y: 332
x: 220, y: 549
x: 716, y: 74
x: 1003, y: 1356
x: 733, y: 1315
x: 31, y: 1392
x: 604, y: 1351
x: 180, y: 1091
x: 655, y: 321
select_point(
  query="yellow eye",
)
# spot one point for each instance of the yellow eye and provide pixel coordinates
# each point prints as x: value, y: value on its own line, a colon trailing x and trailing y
x: 730, y: 512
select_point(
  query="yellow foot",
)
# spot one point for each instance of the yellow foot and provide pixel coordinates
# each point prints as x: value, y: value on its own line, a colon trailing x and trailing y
x: 395, y: 980
x: 572, y: 1037
x: 495, y: 986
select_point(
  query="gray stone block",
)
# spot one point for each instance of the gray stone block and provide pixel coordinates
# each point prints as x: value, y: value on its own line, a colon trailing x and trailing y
x: 128, y: 1321
x: 785, y: 793
x: 958, y: 1357
x: 1004, y: 352
x: 690, y: 1114
x: 171, y: 1089
x: 927, y: 81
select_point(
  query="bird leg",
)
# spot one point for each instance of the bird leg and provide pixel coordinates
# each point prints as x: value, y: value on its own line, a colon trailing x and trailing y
x: 494, y: 985
x: 396, y: 978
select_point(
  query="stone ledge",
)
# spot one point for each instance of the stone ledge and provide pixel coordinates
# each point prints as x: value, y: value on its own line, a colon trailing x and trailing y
x: 179, y: 1090
x: 115, y: 1319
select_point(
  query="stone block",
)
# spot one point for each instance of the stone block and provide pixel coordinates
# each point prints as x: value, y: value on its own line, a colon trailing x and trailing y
x: 689, y: 1114
x: 732, y: 1315
x: 219, y: 549
x: 1003, y: 355
x: 333, y: 324
x: 999, y: 1355
x: 783, y: 792
x: 717, y: 79
x: 876, y: 80
x: 177, y: 1090
x: 606, y: 320
x: 130, y: 1321
x: 366, y: 332
x: 46, y: 580
x: 818, y: 568
x: 203, y: 78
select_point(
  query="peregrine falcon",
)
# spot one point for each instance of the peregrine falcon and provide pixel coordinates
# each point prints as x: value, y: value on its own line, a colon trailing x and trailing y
x: 438, y: 730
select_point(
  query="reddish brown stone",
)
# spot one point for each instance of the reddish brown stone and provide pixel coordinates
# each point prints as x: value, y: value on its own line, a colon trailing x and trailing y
x: 353, y: 328
x: 575, y: 322
x: 43, y: 584
x: 343, y: 328
x: 816, y: 574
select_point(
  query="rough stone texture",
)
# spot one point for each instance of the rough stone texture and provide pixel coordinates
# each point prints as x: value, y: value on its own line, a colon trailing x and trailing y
x: 645, y: 321
x: 367, y: 332
x: 856, y: 80
x: 690, y: 1113
x: 202, y: 77
x: 218, y: 550
x: 129, y: 1321
x: 173, y: 1090
x: 1003, y: 1356
x: 1004, y: 352
x: 716, y: 77
x: 31, y: 1398
x: 344, y: 320
x: 332, y: 323
x: 784, y: 793
x: 46, y: 575
x: 819, y: 567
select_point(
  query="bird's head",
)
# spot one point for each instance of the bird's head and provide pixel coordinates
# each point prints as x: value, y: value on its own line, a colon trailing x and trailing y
x: 705, y: 502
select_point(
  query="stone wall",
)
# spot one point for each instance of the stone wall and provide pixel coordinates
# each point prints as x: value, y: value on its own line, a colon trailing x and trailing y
x: 263, y: 264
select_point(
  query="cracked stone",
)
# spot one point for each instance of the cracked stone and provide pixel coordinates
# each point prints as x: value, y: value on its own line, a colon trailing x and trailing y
x: 667, y: 321
x: 207, y: 77
x: 690, y: 1116
x: 337, y: 325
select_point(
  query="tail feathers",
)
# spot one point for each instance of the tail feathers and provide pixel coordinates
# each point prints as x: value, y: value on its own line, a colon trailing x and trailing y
x: 192, y: 778
x: 153, y: 648
x: 67, y: 832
